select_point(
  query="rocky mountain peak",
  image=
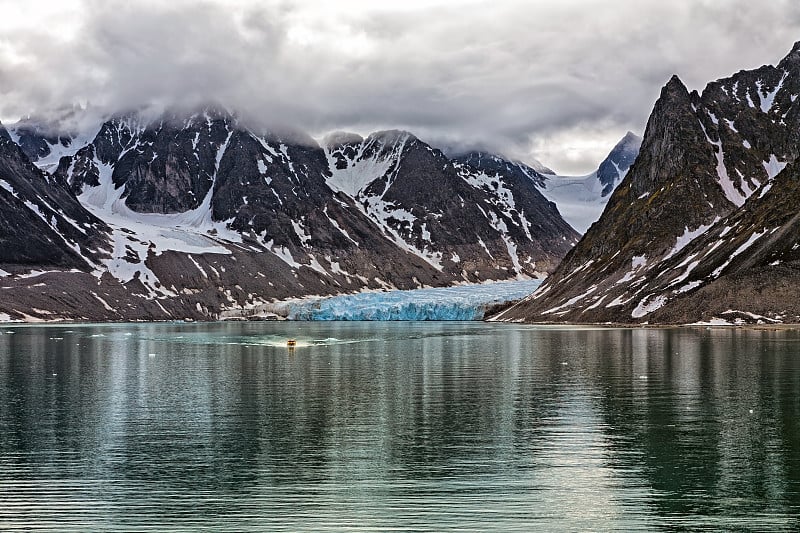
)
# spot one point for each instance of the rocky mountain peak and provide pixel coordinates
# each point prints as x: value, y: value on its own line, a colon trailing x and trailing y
x: 629, y: 139
x: 338, y: 139
x: 187, y: 117
x: 619, y: 160
x: 391, y: 138
x: 792, y: 59
x: 708, y: 209
x: 664, y: 153
x: 674, y: 86
x: 204, y: 211
x: 539, y: 167
x: 491, y: 163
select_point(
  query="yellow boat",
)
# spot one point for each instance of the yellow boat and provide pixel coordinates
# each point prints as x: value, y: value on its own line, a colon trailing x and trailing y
x: 291, y: 343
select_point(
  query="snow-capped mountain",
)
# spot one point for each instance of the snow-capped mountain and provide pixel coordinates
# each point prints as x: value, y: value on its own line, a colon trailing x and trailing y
x: 45, y: 141
x: 538, y: 167
x: 197, y: 213
x: 614, y: 167
x: 705, y: 225
x: 474, y: 214
x: 581, y: 199
x: 41, y: 223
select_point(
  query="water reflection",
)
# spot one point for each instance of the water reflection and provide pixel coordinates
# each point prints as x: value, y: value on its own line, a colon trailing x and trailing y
x: 424, y: 427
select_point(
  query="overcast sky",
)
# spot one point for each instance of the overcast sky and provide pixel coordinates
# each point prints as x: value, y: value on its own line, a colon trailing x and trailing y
x: 561, y: 81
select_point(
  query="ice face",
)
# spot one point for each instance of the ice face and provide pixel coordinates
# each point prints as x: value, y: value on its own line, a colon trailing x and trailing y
x: 452, y: 303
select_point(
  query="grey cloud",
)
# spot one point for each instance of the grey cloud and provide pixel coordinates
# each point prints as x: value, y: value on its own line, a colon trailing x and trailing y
x: 502, y: 75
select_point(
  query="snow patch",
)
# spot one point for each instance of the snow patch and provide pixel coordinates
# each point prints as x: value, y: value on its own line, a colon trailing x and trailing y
x: 646, y: 307
x: 338, y: 227
x: 300, y: 231
x: 753, y: 238
x: 768, y: 98
x: 773, y: 167
x: 363, y: 170
x: 728, y: 187
x: 571, y: 301
x: 687, y: 237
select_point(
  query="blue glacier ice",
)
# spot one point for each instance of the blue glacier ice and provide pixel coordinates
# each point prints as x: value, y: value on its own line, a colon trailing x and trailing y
x: 465, y: 302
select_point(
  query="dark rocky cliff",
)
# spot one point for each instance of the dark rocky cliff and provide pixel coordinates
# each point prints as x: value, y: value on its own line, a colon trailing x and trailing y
x: 706, y: 203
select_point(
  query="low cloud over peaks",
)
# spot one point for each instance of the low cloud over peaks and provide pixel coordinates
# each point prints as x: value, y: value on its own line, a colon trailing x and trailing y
x: 515, y: 76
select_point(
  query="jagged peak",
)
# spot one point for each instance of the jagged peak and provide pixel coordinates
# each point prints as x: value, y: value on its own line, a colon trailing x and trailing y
x: 131, y: 120
x: 389, y: 137
x: 479, y: 155
x: 480, y: 159
x: 198, y: 114
x: 792, y: 59
x: 475, y: 157
x: 4, y: 135
x: 614, y: 167
x: 630, y: 138
x: 629, y: 143
x: 144, y: 117
x: 494, y: 163
x: 674, y: 98
x: 336, y: 139
x: 675, y: 86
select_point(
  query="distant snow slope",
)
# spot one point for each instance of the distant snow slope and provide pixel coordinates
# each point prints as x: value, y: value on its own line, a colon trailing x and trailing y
x: 579, y: 199
x: 582, y: 199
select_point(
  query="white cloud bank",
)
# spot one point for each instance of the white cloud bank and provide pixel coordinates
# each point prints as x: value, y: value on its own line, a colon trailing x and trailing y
x: 559, y: 80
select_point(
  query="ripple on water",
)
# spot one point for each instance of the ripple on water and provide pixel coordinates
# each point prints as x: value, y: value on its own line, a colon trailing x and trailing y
x: 434, y: 427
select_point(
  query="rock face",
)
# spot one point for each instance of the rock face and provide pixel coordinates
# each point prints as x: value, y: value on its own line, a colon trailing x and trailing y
x: 704, y: 226
x: 193, y: 213
x: 41, y: 223
x: 616, y: 165
x: 470, y: 216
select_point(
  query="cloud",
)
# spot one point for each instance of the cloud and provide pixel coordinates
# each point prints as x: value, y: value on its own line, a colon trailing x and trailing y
x: 521, y: 77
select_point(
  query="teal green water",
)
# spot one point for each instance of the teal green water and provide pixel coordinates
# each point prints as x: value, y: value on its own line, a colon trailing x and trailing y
x: 397, y: 426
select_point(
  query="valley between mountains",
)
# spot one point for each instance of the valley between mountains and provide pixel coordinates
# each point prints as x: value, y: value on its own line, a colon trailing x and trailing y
x: 193, y: 213
x: 705, y: 226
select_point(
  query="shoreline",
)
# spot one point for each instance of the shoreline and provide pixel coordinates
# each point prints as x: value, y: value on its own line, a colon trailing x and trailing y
x: 547, y: 325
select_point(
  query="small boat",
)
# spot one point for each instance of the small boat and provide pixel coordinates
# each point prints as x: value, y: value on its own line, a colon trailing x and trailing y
x: 291, y: 343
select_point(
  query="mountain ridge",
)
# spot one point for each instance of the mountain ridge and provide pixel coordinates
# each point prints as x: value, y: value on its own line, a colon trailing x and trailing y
x: 202, y: 214
x: 707, y: 200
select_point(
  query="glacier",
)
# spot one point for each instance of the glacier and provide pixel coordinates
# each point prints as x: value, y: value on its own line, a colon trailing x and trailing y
x: 463, y: 302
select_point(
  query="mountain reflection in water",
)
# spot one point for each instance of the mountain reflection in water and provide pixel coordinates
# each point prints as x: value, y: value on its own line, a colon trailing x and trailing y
x: 412, y: 426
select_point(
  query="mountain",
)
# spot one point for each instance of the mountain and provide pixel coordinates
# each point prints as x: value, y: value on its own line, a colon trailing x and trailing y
x: 538, y: 167
x: 41, y: 223
x: 193, y: 213
x: 45, y: 140
x: 581, y: 199
x: 471, y: 215
x: 619, y: 160
x: 704, y: 227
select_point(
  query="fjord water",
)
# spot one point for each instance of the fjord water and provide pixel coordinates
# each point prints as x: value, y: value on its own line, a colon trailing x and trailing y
x: 398, y: 426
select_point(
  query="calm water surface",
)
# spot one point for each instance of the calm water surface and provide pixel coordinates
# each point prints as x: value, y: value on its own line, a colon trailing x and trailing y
x: 397, y: 426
